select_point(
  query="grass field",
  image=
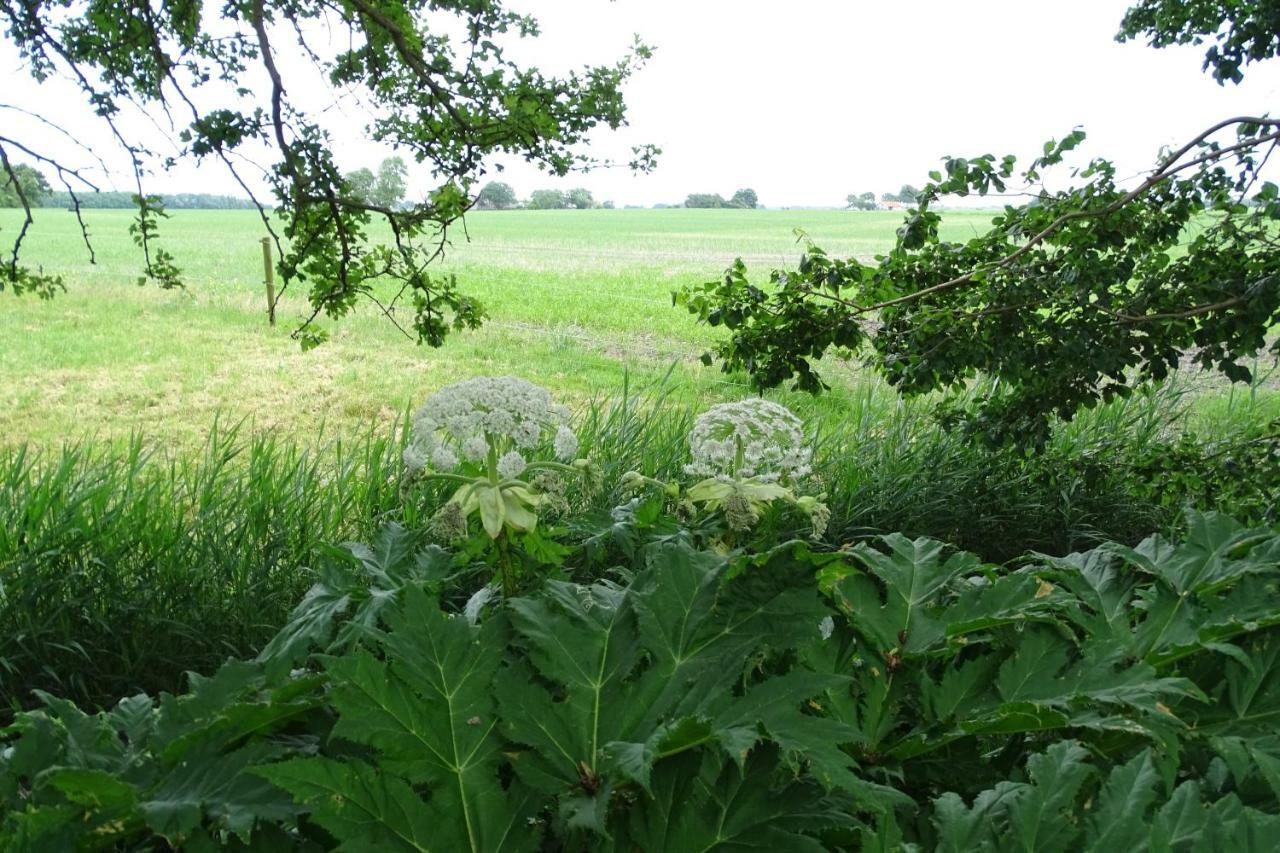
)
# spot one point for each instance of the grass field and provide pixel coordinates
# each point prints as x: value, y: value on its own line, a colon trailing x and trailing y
x: 576, y: 299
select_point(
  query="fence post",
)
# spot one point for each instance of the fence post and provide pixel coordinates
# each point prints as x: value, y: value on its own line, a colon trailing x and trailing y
x: 269, y: 270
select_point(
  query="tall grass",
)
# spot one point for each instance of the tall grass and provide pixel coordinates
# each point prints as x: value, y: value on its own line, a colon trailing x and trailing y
x: 121, y: 570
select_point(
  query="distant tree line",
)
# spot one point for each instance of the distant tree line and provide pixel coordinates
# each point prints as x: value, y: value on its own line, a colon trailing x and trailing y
x: 120, y: 200
x: 867, y: 200
x: 497, y: 195
x: 742, y: 199
x: 33, y: 186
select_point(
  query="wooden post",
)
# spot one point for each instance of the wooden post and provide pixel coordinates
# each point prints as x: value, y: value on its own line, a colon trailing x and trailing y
x: 269, y: 270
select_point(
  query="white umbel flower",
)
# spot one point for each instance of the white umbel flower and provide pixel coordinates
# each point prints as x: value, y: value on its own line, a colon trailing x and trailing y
x: 750, y: 438
x: 443, y: 458
x: 566, y: 444
x: 511, y: 465
x: 464, y: 421
x: 414, y: 459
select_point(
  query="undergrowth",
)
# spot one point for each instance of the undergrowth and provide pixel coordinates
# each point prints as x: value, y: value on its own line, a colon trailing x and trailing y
x: 122, y: 569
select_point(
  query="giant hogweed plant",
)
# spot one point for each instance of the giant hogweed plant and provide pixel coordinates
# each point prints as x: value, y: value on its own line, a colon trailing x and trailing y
x: 749, y: 455
x: 475, y: 435
x: 893, y: 696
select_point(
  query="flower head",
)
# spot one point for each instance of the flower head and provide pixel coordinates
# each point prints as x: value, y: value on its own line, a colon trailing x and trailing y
x: 449, y: 524
x: 750, y: 438
x: 566, y: 443
x: 468, y: 420
x: 511, y: 465
x: 491, y: 423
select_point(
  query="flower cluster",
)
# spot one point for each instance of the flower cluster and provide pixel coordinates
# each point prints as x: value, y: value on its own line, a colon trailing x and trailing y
x: 491, y: 423
x: 750, y: 439
x: 487, y: 419
x: 749, y: 454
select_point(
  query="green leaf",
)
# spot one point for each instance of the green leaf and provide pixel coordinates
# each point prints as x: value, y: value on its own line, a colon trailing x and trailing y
x: 365, y: 809
x: 208, y: 785
x: 493, y: 509
x: 1119, y: 815
x: 429, y: 712
x: 914, y: 575
x: 1041, y: 820
x: 703, y: 801
x: 1030, y: 673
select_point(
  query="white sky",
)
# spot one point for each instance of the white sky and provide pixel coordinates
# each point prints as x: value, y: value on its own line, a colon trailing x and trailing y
x: 809, y: 100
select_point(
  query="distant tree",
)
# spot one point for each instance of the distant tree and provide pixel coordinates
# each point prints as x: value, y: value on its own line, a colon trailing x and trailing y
x: 861, y: 201
x: 496, y: 195
x: 580, y: 199
x: 908, y: 194
x: 32, y: 183
x: 607, y: 205
x: 389, y: 190
x: 705, y: 200
x: 889, y: 197
x: 360, y: 184
x: 745, y: 198
x: 547, y: 200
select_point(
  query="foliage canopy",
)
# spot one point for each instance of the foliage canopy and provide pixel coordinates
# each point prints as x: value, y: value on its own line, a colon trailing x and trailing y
x: 434, y: 77
x: 1072, y: 297
x: 24, y: 185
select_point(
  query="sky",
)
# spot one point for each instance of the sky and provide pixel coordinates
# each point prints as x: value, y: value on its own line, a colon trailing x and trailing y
x: 809, y: 100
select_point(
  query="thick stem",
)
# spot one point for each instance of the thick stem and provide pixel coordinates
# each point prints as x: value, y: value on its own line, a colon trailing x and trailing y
x: 507, y: 575
x: 492, y: 462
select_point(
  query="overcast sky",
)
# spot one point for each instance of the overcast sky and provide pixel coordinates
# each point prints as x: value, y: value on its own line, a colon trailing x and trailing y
x: 809, y: 100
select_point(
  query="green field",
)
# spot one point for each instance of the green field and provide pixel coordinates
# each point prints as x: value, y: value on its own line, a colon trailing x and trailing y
x: 577, y: 299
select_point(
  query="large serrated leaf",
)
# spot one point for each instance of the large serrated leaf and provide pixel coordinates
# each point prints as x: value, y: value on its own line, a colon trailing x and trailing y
x: 1118, y: 820
x: 428, y: 710
x: 913, y: 574
x: 703, y: 801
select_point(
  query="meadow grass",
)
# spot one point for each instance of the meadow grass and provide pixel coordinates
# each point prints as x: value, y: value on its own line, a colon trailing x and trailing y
x: 577, y: 299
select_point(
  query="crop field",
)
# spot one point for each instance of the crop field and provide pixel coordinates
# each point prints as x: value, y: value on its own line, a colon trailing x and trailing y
x: 577, y: 300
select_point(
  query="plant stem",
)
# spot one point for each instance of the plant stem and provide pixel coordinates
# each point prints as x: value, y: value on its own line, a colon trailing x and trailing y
x: 504, y: 565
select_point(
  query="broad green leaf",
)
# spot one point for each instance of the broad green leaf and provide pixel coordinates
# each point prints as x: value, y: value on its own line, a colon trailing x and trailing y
x: 962, y: 828
x: 703, y: 801
x: 365, y: 809
x: 699, y: 627
x: 1178, y: 823
x: 211, y: 787
x: 429, y: 712
x: 914, y: 575
x: 962, y: 690
x: 1118, y: 819
x: 1030, y: 673
x: 585, y: 639
x: 1040, y: 820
